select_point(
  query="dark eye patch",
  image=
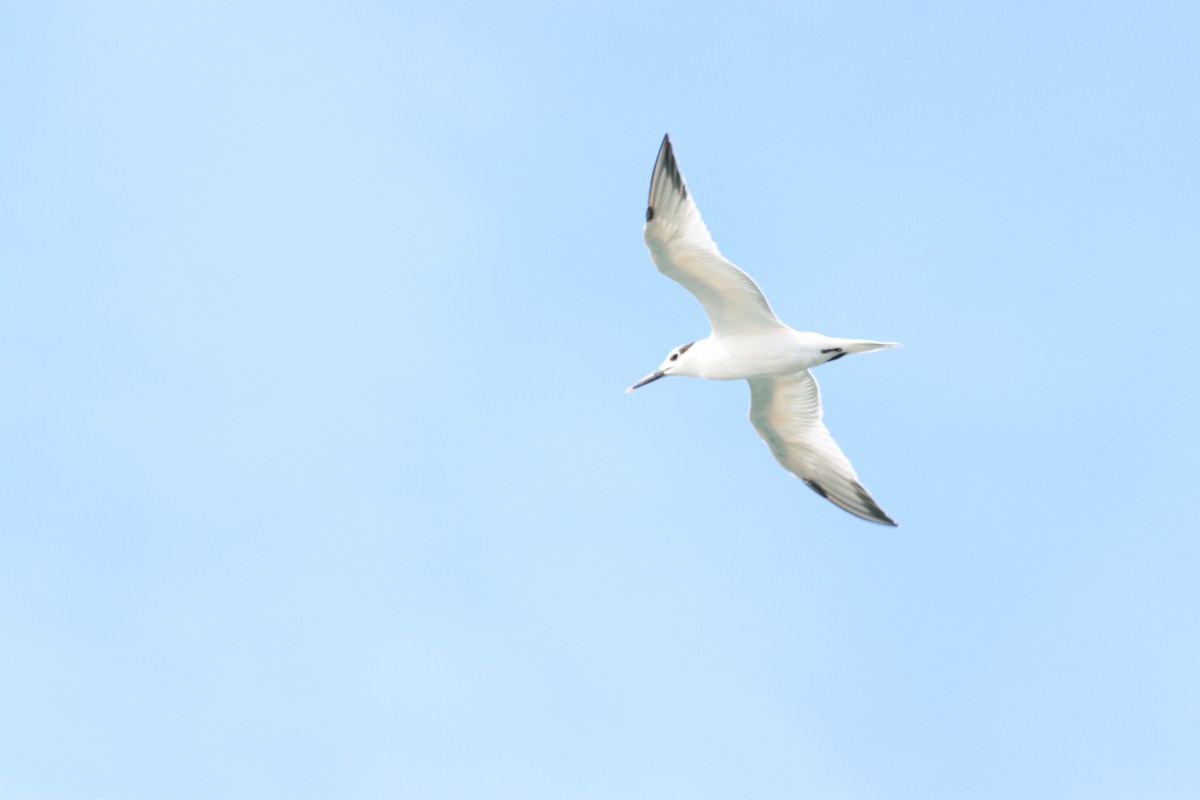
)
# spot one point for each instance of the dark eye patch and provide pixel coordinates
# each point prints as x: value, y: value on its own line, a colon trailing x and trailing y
x: 674, y: 356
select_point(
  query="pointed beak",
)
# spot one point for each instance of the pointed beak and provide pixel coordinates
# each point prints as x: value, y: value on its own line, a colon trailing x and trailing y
x: 653, y: 376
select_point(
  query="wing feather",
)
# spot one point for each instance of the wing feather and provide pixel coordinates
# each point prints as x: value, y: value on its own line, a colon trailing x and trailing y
x: 786, y: 412
x: 683, y: 250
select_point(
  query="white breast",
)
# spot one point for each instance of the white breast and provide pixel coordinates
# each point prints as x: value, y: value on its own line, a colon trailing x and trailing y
x: 780, y: 352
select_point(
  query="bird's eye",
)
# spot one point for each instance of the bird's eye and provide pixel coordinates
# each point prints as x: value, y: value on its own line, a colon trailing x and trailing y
x: 674, y: 356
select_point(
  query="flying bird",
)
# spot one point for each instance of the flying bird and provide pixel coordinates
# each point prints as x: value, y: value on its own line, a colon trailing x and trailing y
x: 748, y: 342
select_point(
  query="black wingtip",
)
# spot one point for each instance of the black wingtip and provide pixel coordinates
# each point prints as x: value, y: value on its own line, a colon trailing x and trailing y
x: 873, y: 514
x: 884, y: 519
x: 816, y: 487
x: 665, y: 160
x: 877, y: 513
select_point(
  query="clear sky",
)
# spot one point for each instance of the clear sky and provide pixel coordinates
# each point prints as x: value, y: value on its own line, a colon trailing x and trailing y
x: 319, y: 478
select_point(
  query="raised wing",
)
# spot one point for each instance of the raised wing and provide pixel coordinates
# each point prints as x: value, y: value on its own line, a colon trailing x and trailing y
x: 786, y: 411
x: 684, y: 251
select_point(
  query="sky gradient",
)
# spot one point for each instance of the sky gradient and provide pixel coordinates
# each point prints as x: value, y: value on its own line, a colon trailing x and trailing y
x: 320, y: 481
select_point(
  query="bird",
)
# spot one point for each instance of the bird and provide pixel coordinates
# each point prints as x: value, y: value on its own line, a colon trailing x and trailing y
x: 748, y: 342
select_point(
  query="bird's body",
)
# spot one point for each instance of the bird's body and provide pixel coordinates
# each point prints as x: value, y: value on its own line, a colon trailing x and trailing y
x: 749, y: 342
x: 766, y: 354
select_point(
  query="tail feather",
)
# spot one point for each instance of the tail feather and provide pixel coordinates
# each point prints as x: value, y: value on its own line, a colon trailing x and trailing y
x: 864, y: 345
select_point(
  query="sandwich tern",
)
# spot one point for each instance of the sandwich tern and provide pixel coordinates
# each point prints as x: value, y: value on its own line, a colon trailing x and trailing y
x: 749, y: 342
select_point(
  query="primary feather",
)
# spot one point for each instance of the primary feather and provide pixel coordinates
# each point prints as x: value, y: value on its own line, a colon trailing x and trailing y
x: 683, y: 250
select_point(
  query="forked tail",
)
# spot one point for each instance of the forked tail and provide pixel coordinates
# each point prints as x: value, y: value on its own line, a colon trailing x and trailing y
x: 864, y: 345
x: 834, y: 349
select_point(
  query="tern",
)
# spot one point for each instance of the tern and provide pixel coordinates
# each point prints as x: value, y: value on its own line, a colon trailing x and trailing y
x: 748, y: 342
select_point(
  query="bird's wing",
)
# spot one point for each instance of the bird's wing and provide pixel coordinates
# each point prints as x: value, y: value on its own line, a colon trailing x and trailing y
x: 786, y: 412
x: 684, y: 251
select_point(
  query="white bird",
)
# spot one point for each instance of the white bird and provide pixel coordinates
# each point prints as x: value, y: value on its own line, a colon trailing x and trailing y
x: 749, y: 342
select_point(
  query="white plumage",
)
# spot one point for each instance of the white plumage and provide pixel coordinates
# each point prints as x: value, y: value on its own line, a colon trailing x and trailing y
x: 749, y: 342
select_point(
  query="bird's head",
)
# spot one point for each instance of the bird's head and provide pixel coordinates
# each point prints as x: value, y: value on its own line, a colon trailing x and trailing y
x: 676, y: 363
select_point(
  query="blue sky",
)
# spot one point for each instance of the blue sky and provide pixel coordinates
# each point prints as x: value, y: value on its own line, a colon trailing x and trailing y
x: 315, y: 321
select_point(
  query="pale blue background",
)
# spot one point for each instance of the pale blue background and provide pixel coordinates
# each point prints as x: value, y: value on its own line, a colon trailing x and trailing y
x: 319, y: 481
